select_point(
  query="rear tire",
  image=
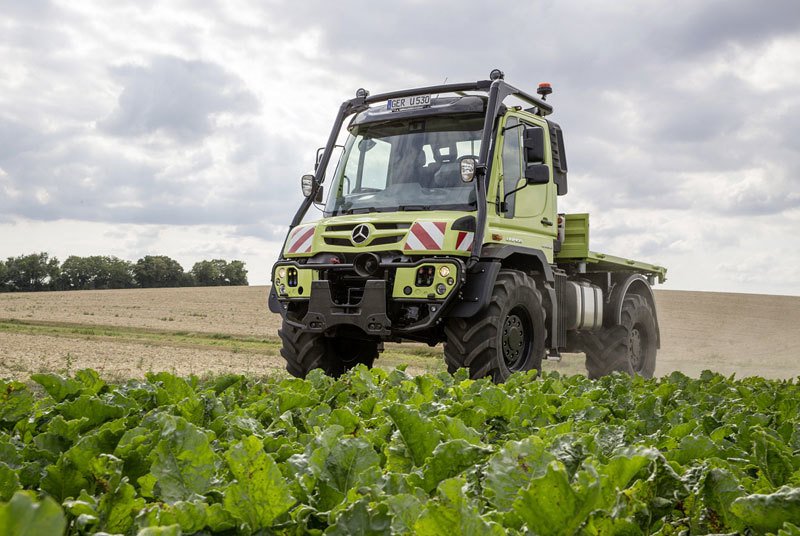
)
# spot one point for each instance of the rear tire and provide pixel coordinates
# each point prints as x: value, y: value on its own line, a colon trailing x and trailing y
x: 507, y: 336
x: 305, y: 352
x: 629, y: 347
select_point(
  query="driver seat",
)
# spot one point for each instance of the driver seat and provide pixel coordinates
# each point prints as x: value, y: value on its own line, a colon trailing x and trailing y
x: 440, y: 170
x: 411, y: 169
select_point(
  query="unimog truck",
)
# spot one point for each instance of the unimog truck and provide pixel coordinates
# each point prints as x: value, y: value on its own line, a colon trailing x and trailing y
x: 441, y: 225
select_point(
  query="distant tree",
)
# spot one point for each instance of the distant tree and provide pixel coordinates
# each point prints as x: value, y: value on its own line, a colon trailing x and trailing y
x: 218, y: 272
x: 209, y: 273
x: 96, y: 272
x: 187, y: 280
x: 157, y: 271
x: 36, y: 271
x: 74, y: 274
x: 236, y: 274
x: 117, y: 273
x: 3, y: 276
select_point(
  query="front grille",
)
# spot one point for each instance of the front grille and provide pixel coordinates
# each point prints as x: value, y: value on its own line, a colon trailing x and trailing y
x: 383, y: 234
x: 380, y: 226
x: 338, y: 241
x: 380, y: 241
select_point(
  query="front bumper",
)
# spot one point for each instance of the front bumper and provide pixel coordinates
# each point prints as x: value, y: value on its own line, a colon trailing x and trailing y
x: 374, y: 312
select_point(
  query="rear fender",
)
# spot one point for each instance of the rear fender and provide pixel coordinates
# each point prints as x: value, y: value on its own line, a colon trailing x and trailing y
x: 624, y: 285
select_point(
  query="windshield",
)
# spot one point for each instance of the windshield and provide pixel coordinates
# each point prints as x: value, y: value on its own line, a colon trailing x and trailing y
x: 408, y: 164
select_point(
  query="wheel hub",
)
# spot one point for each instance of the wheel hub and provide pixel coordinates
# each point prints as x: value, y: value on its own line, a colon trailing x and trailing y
x: 514, y: 340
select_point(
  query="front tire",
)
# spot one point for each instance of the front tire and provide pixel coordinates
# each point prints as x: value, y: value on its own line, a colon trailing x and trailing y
x: 304, y: 352
x: 507, y: 336
x: 629, y: 347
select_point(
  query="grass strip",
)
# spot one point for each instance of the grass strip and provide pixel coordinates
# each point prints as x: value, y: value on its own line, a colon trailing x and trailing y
x: 269, y: 345
x: 415, y: 355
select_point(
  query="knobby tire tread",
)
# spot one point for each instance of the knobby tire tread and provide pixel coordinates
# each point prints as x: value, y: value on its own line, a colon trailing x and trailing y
x: 607, y: 349
x: 473, y: 343
x: 304, y: 352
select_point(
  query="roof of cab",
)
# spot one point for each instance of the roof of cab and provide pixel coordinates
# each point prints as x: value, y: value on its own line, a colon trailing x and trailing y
x: 472, y: 104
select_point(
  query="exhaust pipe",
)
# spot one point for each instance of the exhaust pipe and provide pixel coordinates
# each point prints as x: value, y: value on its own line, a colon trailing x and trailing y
x: 367, y: 264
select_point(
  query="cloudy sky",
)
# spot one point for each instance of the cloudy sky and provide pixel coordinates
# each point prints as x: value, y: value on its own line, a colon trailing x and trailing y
x: 182, y: 128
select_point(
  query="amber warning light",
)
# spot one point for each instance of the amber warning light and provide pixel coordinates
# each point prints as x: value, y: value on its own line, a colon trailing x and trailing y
x: 544, y: 90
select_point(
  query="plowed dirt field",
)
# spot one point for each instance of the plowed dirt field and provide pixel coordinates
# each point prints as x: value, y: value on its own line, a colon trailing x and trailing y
x: 125, y: 333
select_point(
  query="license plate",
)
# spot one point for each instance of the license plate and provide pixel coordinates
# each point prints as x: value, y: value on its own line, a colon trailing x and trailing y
x: 405, y: 103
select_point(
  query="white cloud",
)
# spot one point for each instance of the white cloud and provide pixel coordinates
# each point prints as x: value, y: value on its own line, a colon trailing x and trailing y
x: 186, y: 126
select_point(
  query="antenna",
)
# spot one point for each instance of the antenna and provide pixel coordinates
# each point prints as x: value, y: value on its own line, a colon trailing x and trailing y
x: 443, y: 83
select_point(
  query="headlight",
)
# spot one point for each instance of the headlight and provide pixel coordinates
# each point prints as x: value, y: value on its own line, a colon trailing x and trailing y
x: 444, y: 271
x: 281, y: 272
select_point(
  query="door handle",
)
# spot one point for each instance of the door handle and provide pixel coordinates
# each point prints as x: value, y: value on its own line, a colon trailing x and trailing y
x: 547, y: 222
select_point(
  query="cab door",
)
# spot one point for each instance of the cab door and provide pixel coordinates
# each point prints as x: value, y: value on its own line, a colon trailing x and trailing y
x: 528, y: 216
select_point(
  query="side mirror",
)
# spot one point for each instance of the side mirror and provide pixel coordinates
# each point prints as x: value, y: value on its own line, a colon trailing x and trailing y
x: 307, y: 185
x: 318, y: 159
x: 533, y: 142
x: 534, y: 174
x: 318, y: 198
x: 537, y: 174
x: 467, y: 167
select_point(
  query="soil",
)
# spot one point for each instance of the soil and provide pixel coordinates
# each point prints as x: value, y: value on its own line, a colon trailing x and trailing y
x: 231, y: 310
x: 22, y: 355
x: 742, y: 334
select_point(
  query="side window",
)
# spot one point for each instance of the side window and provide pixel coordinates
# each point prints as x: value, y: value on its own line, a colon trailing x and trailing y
x: 468, y: 148
x: 512, y: 163
x: 374, y: 164
x: 428, y: 150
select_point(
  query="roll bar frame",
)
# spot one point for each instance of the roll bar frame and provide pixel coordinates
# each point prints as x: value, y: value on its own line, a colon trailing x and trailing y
x: 497, y: 90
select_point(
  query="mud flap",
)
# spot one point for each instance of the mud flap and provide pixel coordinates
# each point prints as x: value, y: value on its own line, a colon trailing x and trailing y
x: 273, y: 303
x: 475, y: 294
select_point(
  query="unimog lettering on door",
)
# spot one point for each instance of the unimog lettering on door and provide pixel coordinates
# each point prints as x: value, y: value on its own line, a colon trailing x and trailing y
x: 441, y: 225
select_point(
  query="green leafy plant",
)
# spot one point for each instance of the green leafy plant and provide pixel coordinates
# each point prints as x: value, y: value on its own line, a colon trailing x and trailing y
x: 378, y: 452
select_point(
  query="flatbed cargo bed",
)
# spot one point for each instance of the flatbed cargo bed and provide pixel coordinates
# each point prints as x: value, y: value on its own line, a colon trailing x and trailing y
x: 575, y: 248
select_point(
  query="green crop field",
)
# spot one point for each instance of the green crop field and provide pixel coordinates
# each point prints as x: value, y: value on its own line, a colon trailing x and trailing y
x: 379, y: 452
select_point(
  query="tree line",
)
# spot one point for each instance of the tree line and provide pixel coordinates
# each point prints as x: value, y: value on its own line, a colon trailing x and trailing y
x: 39, y: 271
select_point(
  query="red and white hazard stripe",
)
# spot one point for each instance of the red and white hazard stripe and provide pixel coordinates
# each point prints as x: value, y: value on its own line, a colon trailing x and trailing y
x: 426, y: 235
x: 301, y: 239
x: 464, y: 241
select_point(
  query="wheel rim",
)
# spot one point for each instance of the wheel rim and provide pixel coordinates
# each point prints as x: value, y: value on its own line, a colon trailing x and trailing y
x: 516, y: 339
x: 637, y: 343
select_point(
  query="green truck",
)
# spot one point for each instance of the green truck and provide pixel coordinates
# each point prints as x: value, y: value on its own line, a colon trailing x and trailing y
x: 441, y: 225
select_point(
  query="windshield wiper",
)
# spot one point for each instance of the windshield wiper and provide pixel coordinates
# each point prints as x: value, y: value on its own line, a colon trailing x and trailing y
x: 361, y: 210
x: 366, y: 210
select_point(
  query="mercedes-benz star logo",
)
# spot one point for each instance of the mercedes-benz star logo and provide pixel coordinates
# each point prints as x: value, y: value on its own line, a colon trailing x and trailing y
x: 360, y: 234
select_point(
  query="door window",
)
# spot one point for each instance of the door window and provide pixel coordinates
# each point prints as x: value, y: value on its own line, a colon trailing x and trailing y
x: 512, y: 163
